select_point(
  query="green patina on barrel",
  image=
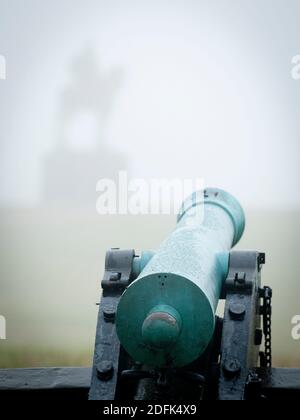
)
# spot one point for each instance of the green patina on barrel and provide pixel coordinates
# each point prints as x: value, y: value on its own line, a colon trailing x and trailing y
x: 166, y: 317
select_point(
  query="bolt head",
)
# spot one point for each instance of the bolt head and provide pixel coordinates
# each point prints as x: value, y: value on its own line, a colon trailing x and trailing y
x: 109, y: 313
x: 105, y: 370
x: 114, y: 276
x: 237, y: 311
x: 231, y: 367
x: 240, y: 277
x: 258, y: 336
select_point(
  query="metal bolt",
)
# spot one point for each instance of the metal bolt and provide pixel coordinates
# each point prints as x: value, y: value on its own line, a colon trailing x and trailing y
x: 240, y: 277
x: 231, y: 367
x: 105, y: 370
x: 237, y: 311
x: 114, y: 276
x: 261, y: 258
x: 109, y: 313
x: 258, y: 337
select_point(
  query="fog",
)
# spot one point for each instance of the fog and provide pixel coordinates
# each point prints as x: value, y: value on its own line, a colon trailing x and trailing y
x: 160, y: 89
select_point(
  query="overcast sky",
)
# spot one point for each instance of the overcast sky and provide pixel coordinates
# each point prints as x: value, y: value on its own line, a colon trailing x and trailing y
x: 206, y: 91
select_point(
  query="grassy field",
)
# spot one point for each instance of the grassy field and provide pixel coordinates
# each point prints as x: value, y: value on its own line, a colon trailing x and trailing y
x: 51, y: 264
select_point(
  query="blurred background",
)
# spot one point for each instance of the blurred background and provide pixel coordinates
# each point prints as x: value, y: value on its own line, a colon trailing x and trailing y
x: 159, y: 89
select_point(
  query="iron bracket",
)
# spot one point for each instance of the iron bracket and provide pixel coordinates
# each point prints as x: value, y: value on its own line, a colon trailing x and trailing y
x: 109, y: 357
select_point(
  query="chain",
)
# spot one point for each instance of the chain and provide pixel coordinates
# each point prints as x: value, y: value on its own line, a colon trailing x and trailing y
x: 267, y: 325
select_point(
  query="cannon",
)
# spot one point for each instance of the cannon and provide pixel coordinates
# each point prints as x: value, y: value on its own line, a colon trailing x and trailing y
x: 166, y: 317
x: 159, y: 335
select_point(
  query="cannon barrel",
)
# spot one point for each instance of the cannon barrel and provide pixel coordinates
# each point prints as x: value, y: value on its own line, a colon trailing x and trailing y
x: 166, y: 317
